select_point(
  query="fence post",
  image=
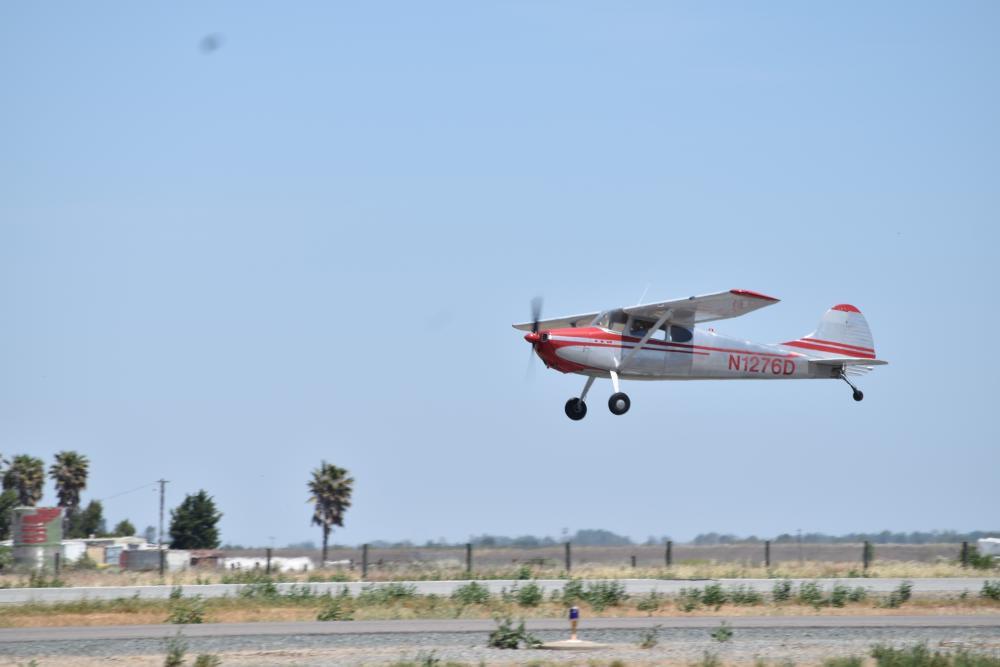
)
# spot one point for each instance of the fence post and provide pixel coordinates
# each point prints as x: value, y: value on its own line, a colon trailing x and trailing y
x: 468, y: 557
x: 569, y: 560
x: 965, y: 554
x: 767, y: 554
x: 669, y: 556
x: 633, y: 560
x: 364, y: 561
x: 866, y: 555
x: 268, y: 569
x: 56, y: 558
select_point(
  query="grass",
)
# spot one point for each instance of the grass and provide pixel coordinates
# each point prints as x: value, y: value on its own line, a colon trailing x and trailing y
x: 400, y: 601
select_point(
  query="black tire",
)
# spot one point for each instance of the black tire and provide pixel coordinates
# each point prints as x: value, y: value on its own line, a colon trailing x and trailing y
x: 858, y: 395
x: 576, y: 409
x: 619, y: 403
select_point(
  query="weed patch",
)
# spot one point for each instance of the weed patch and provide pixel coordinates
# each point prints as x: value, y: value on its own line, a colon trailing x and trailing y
x: 507, y: 636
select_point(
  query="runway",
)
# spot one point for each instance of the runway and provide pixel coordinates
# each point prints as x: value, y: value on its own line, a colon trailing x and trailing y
x: 433, y: 626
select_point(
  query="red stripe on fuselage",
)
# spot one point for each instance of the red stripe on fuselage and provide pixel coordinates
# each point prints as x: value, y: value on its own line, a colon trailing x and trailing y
x: 828, y: 348
x: 833, y: 342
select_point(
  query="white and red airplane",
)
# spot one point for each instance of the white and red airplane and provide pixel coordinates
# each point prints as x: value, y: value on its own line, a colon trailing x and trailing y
x: 658, y: 341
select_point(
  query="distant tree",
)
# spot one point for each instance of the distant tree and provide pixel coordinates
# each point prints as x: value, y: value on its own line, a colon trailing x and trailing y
x: 26, y: 476
x: 69, y: 472
x: 88, y: 521
x: 331, y: 490
x: 194, y: 524
x: 8, y: 501
x: 124, y: 528
x: 600, y: 538
x: 149, y: 534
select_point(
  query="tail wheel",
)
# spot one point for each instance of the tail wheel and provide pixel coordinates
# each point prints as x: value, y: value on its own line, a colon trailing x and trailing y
x: 619, y: 403
x: 858, y: 395
x: 576, y: 409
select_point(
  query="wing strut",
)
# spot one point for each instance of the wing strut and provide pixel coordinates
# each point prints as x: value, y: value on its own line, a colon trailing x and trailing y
x: 649, y: 334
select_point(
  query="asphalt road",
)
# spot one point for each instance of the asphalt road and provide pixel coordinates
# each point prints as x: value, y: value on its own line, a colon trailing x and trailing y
x: 431, y: 626
x: 940, y: 586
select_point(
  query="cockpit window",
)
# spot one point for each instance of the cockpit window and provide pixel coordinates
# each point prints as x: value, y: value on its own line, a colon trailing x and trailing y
x: 638, y: 328
x: 680, y: 334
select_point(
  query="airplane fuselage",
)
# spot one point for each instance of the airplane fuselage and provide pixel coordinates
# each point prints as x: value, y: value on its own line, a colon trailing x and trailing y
x: 679, y: 354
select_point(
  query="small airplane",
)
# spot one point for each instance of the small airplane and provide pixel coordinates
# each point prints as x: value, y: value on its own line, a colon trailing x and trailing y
x: 658, y: 341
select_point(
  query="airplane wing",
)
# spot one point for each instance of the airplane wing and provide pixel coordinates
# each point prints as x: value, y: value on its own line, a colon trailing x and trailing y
x: 704, y: 308
x: 560, y: 322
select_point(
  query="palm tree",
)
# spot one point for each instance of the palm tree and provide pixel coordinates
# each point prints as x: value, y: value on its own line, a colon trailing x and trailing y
x: 26, y: 476
x: 331, y: 495
x: 69, y: 472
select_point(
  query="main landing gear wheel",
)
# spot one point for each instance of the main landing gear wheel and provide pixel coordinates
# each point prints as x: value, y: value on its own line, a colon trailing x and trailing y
x: 619, y: 403
x: 576, y: 409
x: 858, y: 395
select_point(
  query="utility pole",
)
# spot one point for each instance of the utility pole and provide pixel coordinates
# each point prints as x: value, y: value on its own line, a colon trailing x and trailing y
x: 159, y: 543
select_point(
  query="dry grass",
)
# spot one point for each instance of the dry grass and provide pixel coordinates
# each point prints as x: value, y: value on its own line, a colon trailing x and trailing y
x: 132, y: 611
x: 446, y: 571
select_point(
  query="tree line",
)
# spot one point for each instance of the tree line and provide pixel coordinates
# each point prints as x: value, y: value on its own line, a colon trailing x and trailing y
x: 194, y: 524
x: 23, y: 479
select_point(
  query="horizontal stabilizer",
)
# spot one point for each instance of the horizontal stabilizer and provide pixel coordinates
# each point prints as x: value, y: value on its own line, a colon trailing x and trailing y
x: 847, y: 361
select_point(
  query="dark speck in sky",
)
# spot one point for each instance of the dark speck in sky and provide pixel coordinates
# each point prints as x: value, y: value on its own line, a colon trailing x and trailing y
x: 210, y: 43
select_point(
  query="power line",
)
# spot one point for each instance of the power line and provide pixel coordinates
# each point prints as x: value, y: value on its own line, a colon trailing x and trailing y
x: 123, y: 493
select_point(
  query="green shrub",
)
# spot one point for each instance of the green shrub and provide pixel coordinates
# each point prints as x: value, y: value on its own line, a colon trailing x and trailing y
x: 850, y: 661
x: 991, y: 590
x: 723, y: 633
x: 811, y: 593
x: 857, y: 594
x: 782, y: 591
x: 374, y: 594
x: 6, y: 558
x: 603, y: 594
x: 899, y: 596
x: 507, y: 636
x: 573, y: 592
x: 336, y: 609
x: 745, y: 596
x: 649, y: 602
x: 266, y: 590
x: 187, y: 611
x: 838, y: 597
x: 471, y: 593
x: 688, y: 599
x: 207, y: 660
x: 650, y: 637
x: 714, y: 596
x: 176, y: 648
x: 523, y: 573
x: 980, y: 561
x: 529, y: 595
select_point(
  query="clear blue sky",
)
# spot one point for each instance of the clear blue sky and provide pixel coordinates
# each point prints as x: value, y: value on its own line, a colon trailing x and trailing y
x: 222, y: 267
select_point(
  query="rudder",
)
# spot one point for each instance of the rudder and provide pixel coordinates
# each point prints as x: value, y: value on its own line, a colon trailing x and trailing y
x: 842, y: 332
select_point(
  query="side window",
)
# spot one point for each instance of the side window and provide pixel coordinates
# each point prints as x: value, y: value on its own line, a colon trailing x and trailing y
x: 639, y: 328
x: 680, y: 334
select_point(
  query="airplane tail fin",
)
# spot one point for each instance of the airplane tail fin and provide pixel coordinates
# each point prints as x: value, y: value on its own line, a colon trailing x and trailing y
x: 842, y: 332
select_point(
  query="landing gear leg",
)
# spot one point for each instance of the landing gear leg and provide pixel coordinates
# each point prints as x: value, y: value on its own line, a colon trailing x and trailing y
x: 619, y: 402
x: 576, y: 408
x: 858, y: 394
